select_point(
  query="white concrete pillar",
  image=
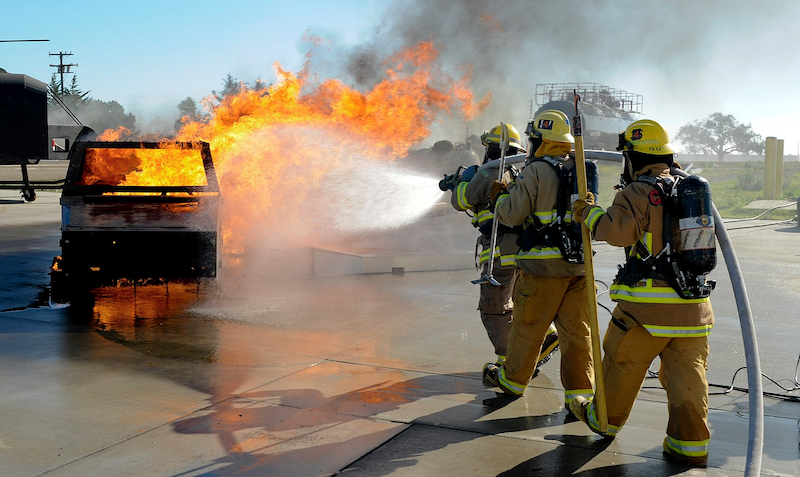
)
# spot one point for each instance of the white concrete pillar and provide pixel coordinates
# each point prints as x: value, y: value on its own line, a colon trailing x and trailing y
x: 779, y: 171
x: 770, y: 154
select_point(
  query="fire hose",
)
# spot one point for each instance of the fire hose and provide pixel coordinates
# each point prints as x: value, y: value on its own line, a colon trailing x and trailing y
x: 755, y: 441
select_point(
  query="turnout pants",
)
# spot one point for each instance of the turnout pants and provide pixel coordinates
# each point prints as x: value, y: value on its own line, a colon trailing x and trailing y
x: 496, y: 305
x: 539, y: 301
x: 628, y: 355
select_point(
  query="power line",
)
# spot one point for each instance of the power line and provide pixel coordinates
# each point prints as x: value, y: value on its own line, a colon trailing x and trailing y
x: 16, y: 41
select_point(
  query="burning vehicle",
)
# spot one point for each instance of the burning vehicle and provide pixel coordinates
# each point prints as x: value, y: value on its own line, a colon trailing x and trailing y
x: 137, y: 210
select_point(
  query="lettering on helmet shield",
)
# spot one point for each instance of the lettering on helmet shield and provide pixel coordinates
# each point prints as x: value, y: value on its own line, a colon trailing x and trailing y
x: 636, y: 134
x: 545, y: 124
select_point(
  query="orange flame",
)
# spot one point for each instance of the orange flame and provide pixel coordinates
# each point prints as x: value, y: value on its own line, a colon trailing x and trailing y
x: 262, y: 142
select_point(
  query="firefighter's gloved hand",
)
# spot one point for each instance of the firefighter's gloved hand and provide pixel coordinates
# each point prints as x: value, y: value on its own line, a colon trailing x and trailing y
x: 498, y: 188
x: 580, y: 205
x: 469, y: 173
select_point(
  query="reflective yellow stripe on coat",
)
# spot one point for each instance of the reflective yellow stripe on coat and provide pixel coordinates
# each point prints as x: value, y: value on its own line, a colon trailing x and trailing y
x: 544, y: 252
x: 646, y: 292
x: 505, y: 260
x: 461, y: 191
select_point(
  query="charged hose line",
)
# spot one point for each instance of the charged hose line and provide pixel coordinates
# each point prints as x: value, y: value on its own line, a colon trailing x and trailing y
x: 767, y: 224
x: 755, y: 442
x: 731, y: 387
x: 762, y: 213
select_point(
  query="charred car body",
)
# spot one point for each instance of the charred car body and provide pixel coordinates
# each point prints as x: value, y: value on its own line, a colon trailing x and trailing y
x: 138, y: 210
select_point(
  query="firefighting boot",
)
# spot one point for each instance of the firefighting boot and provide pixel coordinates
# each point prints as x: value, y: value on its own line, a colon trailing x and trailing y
x: 490, y: 372
x: 580, y: 407
x: 493, y: 378
x: 549, y: 346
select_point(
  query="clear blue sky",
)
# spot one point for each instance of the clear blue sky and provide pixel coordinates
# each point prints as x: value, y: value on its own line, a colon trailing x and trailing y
x: 688, y: 59
x: 149, y: 55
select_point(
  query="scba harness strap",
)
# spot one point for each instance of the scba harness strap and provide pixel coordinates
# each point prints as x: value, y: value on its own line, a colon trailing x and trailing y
x: 642, y: 263
x: 560, y: 232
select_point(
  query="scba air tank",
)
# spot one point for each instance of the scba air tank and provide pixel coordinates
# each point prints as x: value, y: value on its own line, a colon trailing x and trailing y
x: 592, y: 182
x: 698, y: 247
x: 592, y: 178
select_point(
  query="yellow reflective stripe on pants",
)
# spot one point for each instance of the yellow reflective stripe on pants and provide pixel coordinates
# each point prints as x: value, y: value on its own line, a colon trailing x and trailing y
x: 571, y: 394
x: 591, y: 415
x: 688, y: 448
x: 679, y: 331
x: 511, y: 386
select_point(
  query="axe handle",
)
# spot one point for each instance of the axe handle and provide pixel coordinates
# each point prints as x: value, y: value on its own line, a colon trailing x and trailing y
x: 591, y: 294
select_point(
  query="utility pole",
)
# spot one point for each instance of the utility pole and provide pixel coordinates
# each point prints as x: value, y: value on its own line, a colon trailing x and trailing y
x: 63, y: 68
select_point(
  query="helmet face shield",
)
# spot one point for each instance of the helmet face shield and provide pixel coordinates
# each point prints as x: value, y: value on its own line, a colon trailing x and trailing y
x: 623, y: 143
x: 626, y: 175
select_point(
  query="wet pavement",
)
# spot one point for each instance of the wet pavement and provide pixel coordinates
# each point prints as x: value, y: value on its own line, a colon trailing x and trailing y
x: 266, y: 372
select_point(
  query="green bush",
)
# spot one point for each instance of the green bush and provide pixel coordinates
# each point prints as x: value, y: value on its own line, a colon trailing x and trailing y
x: 751, y: 177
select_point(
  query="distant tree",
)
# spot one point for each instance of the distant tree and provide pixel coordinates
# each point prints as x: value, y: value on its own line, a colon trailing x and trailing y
x: 720, y: 134
x: 74, y: 90
x: 3, y: 71
x: 187, y: 107
x: 109, y: 115
x: 54, y: 86
x: 230, y: 87
x: 96, y: 114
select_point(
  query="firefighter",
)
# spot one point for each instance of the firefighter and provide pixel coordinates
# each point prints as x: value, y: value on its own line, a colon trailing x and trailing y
x: 550, y: 289
x: 472, y: 193
x: 650, y: 318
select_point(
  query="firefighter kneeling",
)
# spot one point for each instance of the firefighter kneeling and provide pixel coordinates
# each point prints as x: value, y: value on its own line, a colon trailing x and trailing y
x: 661, y: 293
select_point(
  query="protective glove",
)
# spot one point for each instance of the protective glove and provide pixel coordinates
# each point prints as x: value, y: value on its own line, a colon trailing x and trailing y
x: 498, y: 188
x: 468, y: 173
x: 580, y: 205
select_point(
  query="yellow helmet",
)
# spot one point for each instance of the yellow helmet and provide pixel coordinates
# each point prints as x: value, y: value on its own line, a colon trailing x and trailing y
x: 646, y: 137
x: 552, y: 125
x: 494, y: 135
